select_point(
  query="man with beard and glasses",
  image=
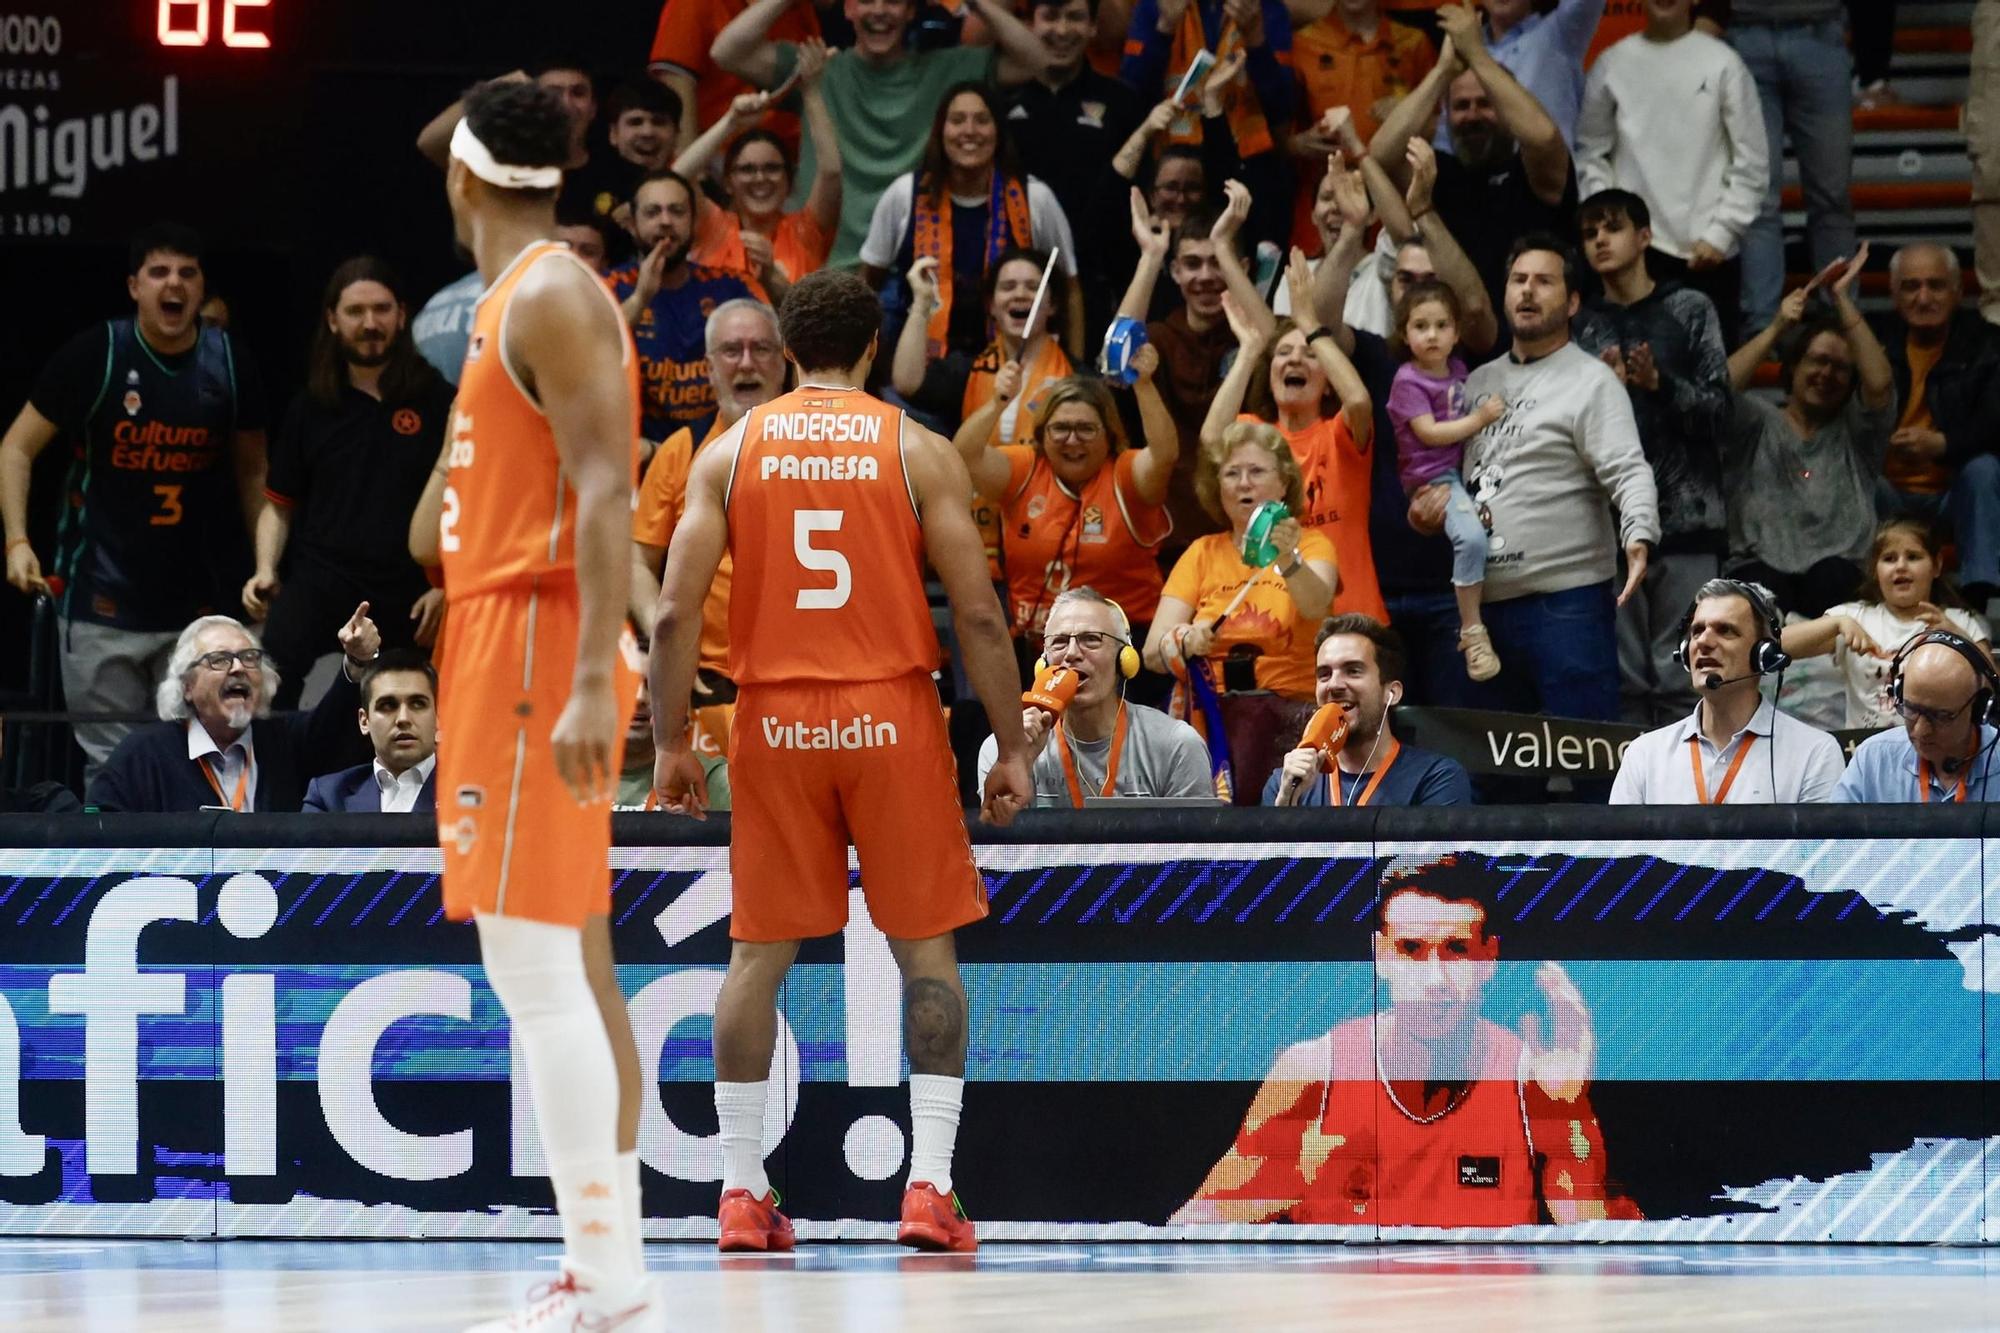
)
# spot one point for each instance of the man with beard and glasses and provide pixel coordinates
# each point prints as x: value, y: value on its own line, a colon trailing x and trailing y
x: 1547, y: 477
x: 350, y: 460
x: 165, y: 416
x: 1509, y: 172
x: 667, y: 302
x: 746, y: 364
x: 218, y: 745
x: 879, y: 90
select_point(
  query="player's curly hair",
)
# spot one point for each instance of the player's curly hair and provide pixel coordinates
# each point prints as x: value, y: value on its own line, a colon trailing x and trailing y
x: 521, y: 124
x: 827, y: 320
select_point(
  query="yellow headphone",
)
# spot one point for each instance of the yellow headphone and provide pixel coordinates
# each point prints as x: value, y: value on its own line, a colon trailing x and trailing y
x: 1128, y: 656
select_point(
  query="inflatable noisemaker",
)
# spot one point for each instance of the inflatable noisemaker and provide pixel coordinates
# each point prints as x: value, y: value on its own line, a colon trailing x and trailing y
x: 1053, y: 689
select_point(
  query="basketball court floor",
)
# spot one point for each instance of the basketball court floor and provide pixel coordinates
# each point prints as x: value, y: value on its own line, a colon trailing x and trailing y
x: 65, y: 1286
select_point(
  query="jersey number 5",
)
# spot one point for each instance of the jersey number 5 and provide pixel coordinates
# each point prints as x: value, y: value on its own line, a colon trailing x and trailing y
x: 805, y: 522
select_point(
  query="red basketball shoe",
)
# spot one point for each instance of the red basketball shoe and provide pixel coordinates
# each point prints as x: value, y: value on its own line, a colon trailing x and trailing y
x: 932, y: 1221
x: 753, y: 1225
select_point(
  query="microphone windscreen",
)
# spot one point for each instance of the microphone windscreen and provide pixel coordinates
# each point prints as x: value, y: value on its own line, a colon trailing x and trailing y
x: 1712, y: 682
x: 1053, y: 689
x: 1326, y: 732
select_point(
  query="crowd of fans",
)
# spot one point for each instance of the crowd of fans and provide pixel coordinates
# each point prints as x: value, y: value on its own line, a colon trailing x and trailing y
x: 1494, y: 326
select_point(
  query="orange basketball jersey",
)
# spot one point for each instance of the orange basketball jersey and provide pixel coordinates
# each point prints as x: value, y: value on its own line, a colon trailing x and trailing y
x: 828, y: 546
x: 509, y: 513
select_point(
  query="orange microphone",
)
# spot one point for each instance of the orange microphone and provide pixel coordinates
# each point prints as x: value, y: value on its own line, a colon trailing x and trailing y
x: 1325, y: 732
x: 1054, y: 688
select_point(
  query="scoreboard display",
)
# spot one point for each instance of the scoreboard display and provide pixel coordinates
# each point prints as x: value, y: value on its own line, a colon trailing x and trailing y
x: 117, y: 110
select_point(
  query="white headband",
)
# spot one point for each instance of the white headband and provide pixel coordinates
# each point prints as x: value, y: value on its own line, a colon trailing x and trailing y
x: 478, y: 159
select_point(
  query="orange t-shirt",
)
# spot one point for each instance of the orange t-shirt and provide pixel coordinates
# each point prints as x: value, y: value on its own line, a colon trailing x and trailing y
x: 1919, y: 476
x: 1337, y: 68
x: 657, y: 511
x: 1210, y: 574
x: 799, y: 247
x: 509, y: 513
x: 1016, y: 426
x: 1103, y: 538
x: 836, y: 589
x: 1338, y: 478
x: 688, y: 28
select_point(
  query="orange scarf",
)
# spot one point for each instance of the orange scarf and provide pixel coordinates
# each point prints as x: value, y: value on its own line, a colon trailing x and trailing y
x: 1246, y: 114
x: 1017, y: 419
x: 1007, y: 223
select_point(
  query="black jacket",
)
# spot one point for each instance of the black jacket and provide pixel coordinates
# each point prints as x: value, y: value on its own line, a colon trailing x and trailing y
x: 150, y: 771
x: 1963, y: 389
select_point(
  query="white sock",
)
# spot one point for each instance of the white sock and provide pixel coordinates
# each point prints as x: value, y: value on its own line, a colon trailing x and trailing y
x: 537, y: 971
x: 631, y: 1208
x: 739, y: 1108
x: 934, y: 1103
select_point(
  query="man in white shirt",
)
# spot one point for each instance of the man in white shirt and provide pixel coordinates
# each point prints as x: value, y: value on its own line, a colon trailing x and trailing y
x: 1707, y: 758
x: 1102, y: 745
x: 1672, y: 115
x: 398, y: 715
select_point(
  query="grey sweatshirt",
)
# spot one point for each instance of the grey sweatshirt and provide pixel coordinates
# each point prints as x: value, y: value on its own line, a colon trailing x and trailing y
x: 1547, y: 475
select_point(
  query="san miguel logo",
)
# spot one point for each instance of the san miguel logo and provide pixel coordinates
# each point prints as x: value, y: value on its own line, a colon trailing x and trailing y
x: 40, y: 150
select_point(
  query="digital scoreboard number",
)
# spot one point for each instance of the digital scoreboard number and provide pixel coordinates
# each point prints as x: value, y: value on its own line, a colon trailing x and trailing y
x: 232, y: 23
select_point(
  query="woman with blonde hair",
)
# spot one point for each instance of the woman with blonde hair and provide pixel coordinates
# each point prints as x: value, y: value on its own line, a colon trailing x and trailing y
x: 1282, y: 604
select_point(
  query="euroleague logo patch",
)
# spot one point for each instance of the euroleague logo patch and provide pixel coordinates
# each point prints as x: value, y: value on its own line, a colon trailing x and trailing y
x: 406, y: 421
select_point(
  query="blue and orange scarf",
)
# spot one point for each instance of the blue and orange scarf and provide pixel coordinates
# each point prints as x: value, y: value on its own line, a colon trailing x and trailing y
x: 1007, y: 223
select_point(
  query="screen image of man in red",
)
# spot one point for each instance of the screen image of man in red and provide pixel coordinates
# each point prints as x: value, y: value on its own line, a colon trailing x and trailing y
x: 1426, y: 1114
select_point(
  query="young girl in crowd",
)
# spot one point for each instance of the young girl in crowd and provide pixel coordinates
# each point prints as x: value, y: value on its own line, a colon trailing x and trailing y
x: 1427, y: 407
x: 1904, y: 594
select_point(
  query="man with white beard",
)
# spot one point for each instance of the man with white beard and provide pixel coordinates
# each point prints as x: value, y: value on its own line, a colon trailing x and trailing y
x: 218, y: 744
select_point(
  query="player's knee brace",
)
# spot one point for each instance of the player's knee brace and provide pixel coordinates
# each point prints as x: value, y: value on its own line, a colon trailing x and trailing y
x: 536, y: 969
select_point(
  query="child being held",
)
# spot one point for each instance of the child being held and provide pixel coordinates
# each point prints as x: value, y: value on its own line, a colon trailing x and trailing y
x: 1427, y: 407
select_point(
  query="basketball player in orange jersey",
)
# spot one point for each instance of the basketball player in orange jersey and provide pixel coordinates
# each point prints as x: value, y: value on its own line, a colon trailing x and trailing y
x: 534, y: 531
x: 830, y: 501
x: 1424, y: 1113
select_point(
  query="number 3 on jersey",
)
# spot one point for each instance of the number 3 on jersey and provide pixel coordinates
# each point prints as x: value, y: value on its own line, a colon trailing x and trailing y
x: 806, y: 522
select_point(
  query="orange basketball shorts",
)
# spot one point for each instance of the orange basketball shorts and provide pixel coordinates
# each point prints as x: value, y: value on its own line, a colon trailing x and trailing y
x: 516, y: 843
x: 816, y: 766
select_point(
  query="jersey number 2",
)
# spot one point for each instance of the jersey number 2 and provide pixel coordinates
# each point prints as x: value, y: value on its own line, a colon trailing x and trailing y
x: 805, y: 522
x: 447, y: 520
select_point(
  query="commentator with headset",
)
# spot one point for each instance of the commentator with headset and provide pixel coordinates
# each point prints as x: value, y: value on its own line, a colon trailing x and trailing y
x: 1943, y: 688
x: 1736, y: 748
x: 1348, y: 755
x: 1090, y: 742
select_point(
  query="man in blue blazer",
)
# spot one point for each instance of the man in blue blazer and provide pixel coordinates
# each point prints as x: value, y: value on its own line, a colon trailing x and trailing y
x: 398, y: 715
x: 218, y: 744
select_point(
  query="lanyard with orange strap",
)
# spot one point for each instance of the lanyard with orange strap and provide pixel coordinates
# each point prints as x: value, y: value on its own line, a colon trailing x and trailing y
x: 1110, y: 763
x: 234, y: 802
x: 1367, y: 792
x: 1728, y: 777
x: 1924, y: 778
